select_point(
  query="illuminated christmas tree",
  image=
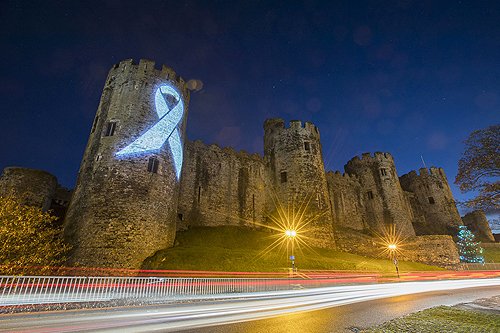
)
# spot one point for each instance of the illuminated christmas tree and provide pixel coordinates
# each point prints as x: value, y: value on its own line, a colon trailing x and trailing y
x: 468, y: 248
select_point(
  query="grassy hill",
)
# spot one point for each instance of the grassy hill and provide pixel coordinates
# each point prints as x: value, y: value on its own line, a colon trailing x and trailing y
x: 242, y: 249
x: 491, y: 253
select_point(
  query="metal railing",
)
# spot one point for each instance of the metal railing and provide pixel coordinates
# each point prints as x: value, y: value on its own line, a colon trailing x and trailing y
x: 18, y: 290
x: 479, y: 267
x: 21, y: 290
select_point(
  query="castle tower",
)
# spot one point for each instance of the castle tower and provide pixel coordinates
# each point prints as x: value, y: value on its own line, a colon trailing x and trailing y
x: 33, y: 187
x: 434, y: 201
x: 124, y: 205
x: 477, y: 222
x: 294, y: 164
x: 385, y: 202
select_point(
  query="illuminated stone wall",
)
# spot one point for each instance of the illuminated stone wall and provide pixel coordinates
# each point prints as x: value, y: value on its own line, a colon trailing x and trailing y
x: 438, y: 250
x: 477, y: 223
x: 32, y: 187
x: 220, y: 187
x: 121, y: 212
x: 296, y: 176
x: 347, y: 201
x: 432, y: 202
x: 385, y: 202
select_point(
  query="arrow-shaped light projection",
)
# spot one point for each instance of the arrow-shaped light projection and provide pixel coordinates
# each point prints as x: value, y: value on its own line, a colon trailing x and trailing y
x: 165, y: 129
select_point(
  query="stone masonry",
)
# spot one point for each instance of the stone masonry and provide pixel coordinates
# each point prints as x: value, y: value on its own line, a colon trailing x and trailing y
x: 477, y: 223
x: 220, y: 187
x: 385, y: 202
x: 296, y: 179
x: 432, y: 202
x: 125, y: 208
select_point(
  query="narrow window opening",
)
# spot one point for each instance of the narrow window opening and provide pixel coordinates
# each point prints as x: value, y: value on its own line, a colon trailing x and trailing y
x: 284, y: 177
x: 98, y: 157
x: 110, y: 129
x: 370, y: 195
x: 180, y: 217
x: 199, y: 193
x: 307, y: 146
x: 94, y: 125
x: 431, y: 200
x: 153, y: 165
x: 383, y: 172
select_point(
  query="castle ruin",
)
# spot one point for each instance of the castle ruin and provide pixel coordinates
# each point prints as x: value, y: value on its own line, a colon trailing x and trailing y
x: 132, y: 195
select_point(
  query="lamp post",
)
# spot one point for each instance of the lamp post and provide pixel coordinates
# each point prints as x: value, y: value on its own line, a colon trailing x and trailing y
x: 291, y: 234
x: 392, y: 249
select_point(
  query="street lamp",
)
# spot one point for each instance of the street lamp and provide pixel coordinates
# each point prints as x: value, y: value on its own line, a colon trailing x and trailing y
x: 290, y: 235
x: 392, y: 248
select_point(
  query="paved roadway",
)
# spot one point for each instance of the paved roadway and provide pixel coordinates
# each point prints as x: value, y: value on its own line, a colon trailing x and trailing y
x: 358, y: 306
x: 351, y: 318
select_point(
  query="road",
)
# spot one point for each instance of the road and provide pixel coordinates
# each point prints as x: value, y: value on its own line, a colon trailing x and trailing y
x: 337, y: 309
x: 352, y: 317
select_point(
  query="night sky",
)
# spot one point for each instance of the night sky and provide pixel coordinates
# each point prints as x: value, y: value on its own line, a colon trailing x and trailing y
x: 413, y: 78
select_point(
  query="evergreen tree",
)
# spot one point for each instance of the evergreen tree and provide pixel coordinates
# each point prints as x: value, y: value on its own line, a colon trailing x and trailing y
x: 468, y: 248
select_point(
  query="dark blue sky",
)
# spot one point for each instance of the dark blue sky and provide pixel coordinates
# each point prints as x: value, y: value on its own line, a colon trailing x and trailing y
x: 409, y: 77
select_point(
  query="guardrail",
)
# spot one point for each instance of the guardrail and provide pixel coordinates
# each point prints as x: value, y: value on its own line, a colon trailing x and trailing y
x: 22, y: 290
x: 18, y: 290
x: 480, y: 267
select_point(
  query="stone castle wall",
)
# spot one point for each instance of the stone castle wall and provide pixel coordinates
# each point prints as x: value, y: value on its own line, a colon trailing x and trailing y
x: 477, y: 223
x: 433, y: 201
x: 438, y: 250
x: 32, y: 187
x: 220, y: 187
x: 384, y: 199
x: 348, y: 207
x: 124, y: 208
x: 122, y: 211
x: 297, y: 180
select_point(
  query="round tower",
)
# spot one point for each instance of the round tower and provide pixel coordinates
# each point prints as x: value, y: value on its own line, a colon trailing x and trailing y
x: 434, y: 201
x: 33, y: 187
x: 124, y: 204
x: 477, y: 222
x: 385, y: 202
x: 294, y: 164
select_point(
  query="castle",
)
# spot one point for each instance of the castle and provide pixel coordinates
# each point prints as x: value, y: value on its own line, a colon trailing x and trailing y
x: 141, y: 181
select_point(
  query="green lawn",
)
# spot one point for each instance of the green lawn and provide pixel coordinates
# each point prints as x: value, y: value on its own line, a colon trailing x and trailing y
x: 442, y: 319
x: 241, y: 249
x: 492, y: 254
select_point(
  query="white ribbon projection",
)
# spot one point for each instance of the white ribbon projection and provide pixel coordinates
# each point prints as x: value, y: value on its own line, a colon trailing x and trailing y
x: 165, y: 129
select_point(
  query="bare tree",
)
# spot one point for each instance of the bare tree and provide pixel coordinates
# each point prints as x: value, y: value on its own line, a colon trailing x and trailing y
x: 479, y: 168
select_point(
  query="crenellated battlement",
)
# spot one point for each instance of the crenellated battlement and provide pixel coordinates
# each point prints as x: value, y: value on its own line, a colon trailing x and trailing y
x: 146, y: 68
x: 423, y: 175
x: 221, y: 186
x: 242, y: 154
x: 337, y: 176
x: 277, y: 125
x: 367, y: 159
x: 432, y: 197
